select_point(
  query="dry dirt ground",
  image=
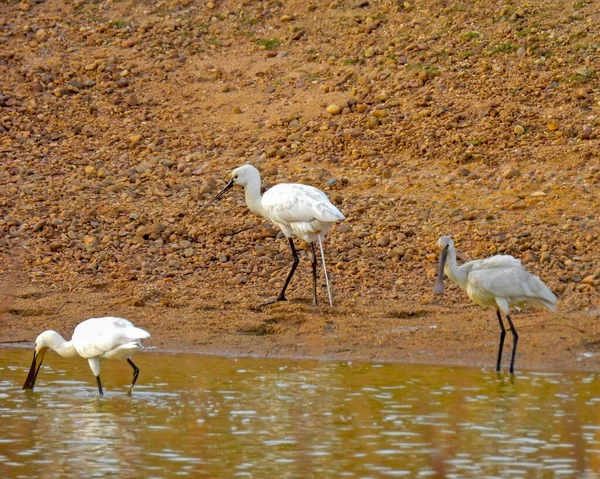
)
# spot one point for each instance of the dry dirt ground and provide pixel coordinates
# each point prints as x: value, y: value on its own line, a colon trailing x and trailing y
x: 481, y: 120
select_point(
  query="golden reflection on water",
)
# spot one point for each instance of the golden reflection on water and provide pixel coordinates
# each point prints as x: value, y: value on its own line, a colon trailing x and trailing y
x: 195, y: 416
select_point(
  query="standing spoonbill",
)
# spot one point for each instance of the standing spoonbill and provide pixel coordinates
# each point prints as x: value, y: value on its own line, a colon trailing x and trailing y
x: 299, y: 210
x: 93, y: 339
x: 500, y: 281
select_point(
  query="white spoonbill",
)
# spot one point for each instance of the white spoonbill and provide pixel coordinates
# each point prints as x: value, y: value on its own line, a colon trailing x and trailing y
x: 500, y: 281
x: 93, y: 339
x: 298, y: 210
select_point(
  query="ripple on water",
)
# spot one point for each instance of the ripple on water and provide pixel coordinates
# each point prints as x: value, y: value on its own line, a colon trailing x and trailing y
x: 260, y: 418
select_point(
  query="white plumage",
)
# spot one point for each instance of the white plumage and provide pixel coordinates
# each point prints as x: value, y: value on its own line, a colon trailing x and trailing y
x: 93, y: 339
x: 298, y: 210
x: 499, y: 281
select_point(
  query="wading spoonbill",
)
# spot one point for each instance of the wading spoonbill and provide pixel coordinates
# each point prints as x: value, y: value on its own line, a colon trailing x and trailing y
x: 298, y: 210
x: 499, y: 281
x: 93, y: 339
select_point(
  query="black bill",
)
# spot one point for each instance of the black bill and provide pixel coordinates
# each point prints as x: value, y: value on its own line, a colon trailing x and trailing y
x: 439, y: 284
x: 228, y: 186
x: 36, y: 364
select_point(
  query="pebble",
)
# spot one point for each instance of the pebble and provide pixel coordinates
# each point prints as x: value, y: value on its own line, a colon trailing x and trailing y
x: 135, y: 140
x: 131, y: 100
x: 334, y: 109
x: 519, y: 130
x: 383, y: 240
x: 586, y: 132
x: 553, y: 125
x: 519, y: 205
x: 529, y: 257
x: 511, y: 173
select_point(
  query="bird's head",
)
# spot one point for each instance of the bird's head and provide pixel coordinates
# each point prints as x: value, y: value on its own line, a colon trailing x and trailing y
x: 42, y: 343
x: 444, y: 244
x: 244, y: 175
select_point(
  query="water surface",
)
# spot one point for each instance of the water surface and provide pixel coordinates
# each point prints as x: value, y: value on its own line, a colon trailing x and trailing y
x: 197, y: 416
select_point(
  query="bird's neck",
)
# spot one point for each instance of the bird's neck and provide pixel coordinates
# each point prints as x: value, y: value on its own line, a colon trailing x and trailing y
x: 254, y: 198
x: 456, y: 273
x: 58, y: 344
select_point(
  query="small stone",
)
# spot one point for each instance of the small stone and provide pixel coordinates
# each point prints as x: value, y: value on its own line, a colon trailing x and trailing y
x: 545, y: 257
x: 369, y: 27
x: 131, y: 100
x: 588, y: 279
x: 41, y: 35
x: 334, y: 109
x: 223, y: 258
x: 519, y: 130
x: 157, y: 228
x: 207, y: 188
x: 383, y: 240
x: 529, y: 257
x: 135, y: 140
x: 141, y: 231
x: 369, y: 52
x: 511, y: 173
x: 519, y: 205
x: 128, y: 43
x: 372, y: 122
x: 286, y: 18
x: 39, y: 225
x: 91, y: 244
x: 55, y: 246
x: 188, y: 252
x: 237, y: 110
x: 398, y: 253
x: 553, y: 125
x: 585, y: 133
x: 90, y: 170
x: 60, y: 92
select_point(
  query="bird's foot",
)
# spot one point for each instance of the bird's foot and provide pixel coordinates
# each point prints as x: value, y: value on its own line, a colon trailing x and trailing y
x: 273, y: 301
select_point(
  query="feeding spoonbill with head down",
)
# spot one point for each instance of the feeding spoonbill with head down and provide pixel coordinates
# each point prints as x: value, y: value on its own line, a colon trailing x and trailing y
x: 500, y: 281
x: 93, y: 339
x: 298, y: 210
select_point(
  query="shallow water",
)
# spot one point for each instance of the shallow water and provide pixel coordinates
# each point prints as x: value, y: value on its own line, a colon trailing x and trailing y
x: 200, y: 416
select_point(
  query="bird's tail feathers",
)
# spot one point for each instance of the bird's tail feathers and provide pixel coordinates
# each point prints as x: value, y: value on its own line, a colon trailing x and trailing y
x: 137, y: 333
x: 328, y: 212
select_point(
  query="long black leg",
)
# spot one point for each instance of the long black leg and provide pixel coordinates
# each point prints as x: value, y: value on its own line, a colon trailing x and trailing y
x: 502, y: 335
x: 516, y: 340
x: 99, y: 385
x: 314, y: 269
x: 281, y: 296
x: 136, y: 371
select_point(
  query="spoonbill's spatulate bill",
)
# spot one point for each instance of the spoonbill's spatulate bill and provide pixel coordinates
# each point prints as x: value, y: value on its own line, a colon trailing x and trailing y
x: 298, y: 210
x: 93, y: 339
x: 500, y: 281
